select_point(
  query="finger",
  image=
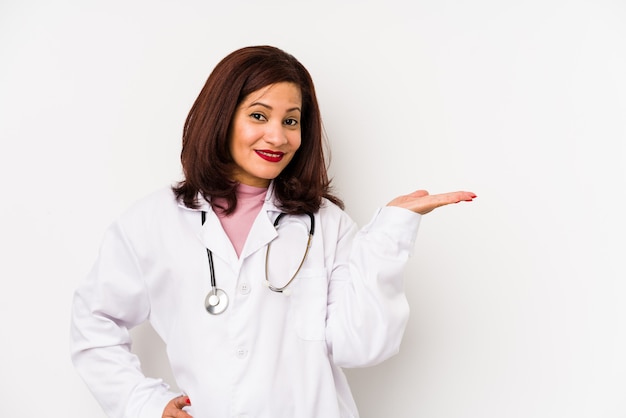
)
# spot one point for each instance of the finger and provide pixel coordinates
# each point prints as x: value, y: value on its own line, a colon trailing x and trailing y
x: 175, y: 413
x: 431, y: 202
x: 455, y: 197
x: 181, y: 401
x: 419, y: 193
x: 420, y: 201
x: 174, y: 408
x: 182, y: 414
x: 466, y: 196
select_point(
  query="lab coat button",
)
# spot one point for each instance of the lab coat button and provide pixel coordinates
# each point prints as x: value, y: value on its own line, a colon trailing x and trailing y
x: 241, y: 353
x: 244, y: 288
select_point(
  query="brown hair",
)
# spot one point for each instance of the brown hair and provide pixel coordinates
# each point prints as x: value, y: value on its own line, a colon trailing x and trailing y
x: 206, y: 160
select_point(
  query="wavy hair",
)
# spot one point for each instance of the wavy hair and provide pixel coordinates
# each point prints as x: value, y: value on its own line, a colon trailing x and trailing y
x: 205, y: 156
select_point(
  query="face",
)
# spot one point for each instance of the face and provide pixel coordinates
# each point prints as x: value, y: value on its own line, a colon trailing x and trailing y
x: 265, y: 133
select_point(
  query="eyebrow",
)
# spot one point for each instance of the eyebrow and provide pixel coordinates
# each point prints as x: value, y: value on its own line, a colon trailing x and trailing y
x: 271, y: 108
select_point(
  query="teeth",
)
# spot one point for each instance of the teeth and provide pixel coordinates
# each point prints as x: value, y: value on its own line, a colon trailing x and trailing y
x: 270, y: 154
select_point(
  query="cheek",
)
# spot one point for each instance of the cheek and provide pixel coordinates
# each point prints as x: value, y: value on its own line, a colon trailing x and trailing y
x: 296, y: 142
x: 240, y: 140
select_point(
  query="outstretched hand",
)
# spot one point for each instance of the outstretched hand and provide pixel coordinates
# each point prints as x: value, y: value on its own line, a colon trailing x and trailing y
x: 422, y: 202
x: 174, y: 408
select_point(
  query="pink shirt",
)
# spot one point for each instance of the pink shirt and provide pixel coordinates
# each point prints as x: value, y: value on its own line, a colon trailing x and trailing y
x: 250, y: 200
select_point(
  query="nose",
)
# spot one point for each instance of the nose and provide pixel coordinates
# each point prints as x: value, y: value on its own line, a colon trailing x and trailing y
x: 275, y: 134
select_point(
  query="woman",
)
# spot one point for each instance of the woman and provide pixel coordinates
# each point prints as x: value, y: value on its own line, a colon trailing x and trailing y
x: 259, y: 311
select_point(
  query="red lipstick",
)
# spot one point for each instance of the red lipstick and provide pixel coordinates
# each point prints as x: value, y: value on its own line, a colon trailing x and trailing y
x: 269, y: 155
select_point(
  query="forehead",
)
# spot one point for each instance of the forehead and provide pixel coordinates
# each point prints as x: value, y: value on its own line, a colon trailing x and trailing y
x: 278, y: 92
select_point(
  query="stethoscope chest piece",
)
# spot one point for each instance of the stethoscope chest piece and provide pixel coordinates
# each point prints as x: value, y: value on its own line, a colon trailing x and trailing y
x: 216, y: 301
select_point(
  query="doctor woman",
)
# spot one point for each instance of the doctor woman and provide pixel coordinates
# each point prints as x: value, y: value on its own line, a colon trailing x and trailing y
x: 260, y: 285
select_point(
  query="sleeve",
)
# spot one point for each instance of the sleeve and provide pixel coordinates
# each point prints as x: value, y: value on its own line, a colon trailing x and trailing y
x: 112, y: 299
x: 367, y: 307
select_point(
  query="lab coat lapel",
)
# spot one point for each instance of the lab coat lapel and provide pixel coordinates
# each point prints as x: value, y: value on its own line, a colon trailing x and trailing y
x: 262, y: 231
x: 213, y: 236
x: 215, y: 239
x: 210, y: 235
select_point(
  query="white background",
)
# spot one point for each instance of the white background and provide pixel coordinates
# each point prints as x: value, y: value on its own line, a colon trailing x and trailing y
x: 518, y: 299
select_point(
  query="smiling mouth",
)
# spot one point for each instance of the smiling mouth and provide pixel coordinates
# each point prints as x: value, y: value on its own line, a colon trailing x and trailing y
x: 271, y: 156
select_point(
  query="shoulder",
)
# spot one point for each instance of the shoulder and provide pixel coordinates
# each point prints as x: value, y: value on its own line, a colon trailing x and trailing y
x: 328, y: 208
x: 332, y: 216
x: 152, y: 207
x: 156, y: 200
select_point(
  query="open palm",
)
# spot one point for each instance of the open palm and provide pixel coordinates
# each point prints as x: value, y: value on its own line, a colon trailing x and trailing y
x: 422, y: 202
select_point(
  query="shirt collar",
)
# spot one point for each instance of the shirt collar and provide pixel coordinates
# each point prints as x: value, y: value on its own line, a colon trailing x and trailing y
x: 271, y: 201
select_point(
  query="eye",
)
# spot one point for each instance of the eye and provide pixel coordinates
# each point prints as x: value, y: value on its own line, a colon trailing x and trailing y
x: 291, y: 122
x: 258, y: 116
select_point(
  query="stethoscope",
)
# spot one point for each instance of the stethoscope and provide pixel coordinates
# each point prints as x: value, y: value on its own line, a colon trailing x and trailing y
x: 216, y: 300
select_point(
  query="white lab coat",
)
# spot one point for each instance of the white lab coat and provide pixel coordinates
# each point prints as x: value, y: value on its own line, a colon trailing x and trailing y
x: 268, y: 355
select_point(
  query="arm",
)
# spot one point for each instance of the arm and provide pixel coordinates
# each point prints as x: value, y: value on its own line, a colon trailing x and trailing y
x: 112, y: 299
x: 367, y: 307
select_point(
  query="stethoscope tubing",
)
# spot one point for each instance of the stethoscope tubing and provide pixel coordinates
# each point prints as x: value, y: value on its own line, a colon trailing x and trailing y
x: 216, y: 301
x: 306, y: 252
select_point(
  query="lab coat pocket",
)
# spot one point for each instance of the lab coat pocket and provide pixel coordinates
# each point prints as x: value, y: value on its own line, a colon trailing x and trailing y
x: 308, y: 304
